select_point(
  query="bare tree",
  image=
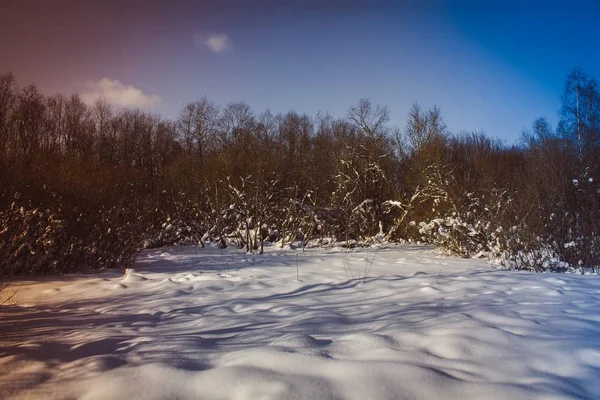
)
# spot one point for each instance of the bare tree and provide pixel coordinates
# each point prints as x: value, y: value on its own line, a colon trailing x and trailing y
x: 197, y: 126
x: 580, y: 112
x: 424, y: 127
x: 8, y: 95
x: 371, y: 120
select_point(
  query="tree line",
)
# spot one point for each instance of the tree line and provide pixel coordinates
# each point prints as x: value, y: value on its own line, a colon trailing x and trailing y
x: 86, y: 187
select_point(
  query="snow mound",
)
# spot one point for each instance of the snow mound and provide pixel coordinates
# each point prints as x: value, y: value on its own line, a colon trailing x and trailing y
x: 360, y: 342
x: 132, y: 277
x: 300, y: 341
x: 429, y: 290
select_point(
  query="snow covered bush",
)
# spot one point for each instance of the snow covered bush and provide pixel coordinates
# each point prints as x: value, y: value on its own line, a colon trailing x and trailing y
x: 430, y: 192
x: 361, y: 188
x: 182, y: 221
x: 61, y: 239
x: 30, y: 240
x: 491, y: 224
x: 475, y: 228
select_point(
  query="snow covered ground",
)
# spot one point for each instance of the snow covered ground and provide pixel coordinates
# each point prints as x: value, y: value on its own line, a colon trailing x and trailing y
x: 217, y: 324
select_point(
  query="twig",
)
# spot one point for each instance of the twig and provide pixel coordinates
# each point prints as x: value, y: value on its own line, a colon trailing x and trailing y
x: 349, y: 272
x: 368, y: 265
x: 225, y: 269
x: 7, y: 299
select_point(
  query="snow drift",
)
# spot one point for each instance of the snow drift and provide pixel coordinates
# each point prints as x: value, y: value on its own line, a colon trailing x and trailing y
x: 209, y: 323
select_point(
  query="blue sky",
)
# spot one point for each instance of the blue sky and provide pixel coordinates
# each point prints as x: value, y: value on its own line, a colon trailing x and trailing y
x: 491, y: 66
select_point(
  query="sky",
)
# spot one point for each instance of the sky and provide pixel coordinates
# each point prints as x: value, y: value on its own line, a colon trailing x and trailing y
x: 491, y: 66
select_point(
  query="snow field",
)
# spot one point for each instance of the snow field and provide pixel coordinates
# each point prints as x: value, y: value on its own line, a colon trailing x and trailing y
x: 196, y: 323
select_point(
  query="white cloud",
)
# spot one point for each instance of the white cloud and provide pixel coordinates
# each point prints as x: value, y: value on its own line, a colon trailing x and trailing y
x: 117, y: 93
x: 216, y: 42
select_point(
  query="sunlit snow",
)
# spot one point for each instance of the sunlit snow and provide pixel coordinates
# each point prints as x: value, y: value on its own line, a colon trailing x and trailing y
x: 397, y: 322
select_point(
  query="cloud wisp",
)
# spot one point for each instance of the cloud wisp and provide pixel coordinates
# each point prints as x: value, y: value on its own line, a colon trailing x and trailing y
x: 117, y: 93
x: 216, y: 42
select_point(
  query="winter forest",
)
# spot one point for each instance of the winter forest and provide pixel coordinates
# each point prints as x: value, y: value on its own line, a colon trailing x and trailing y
x: 86, y: 187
